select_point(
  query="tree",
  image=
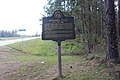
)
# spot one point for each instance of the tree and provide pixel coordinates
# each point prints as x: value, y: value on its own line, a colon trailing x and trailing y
x: 12, y: 33
x: 111, y: 33
x: 119, y: 16
x: 89, y: 19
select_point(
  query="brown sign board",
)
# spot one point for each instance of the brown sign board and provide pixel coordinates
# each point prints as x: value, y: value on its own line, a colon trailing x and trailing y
x: 58, y: 27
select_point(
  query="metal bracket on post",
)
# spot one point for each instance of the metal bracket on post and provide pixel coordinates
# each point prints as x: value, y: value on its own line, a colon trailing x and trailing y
x: 59, y: 60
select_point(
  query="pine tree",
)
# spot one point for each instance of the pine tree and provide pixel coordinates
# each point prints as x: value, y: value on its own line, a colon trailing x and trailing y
x: 111, y: 33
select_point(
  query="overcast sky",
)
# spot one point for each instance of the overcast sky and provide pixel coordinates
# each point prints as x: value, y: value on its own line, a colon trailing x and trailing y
x: 21, y: 14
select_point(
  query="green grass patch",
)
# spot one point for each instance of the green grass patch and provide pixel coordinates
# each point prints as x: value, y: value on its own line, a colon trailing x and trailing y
x: 9, y: 38
x: 48, y: 48
x: 38, y: 51
x: 72, y: 48
x: 36, y: 47
x: 1, y: 39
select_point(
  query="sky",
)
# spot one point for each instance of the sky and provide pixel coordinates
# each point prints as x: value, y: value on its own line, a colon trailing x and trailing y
x: 21, y: 14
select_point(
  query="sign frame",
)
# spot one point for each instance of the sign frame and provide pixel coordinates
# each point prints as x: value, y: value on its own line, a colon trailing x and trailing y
x: 58, y: 27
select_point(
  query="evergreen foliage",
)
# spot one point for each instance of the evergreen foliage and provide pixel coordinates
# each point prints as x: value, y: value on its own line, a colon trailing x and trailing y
x: 12, y: 33
x: 90, y: 21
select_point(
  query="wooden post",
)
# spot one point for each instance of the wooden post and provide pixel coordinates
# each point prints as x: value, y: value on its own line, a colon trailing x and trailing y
x: 59, y: 60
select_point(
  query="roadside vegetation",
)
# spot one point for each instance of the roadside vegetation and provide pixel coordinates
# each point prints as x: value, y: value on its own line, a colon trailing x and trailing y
x: 12, y: 38
x: 8, y: 38
x: 1, y: 39
x: 41, y: 62
x: 93, y: 55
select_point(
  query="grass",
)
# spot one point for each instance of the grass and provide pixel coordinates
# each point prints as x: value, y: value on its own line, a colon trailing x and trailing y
x: 42, y: 62
x: 11, y: 38
x: 36, y: 47
x: 1, y: 39
x: 8, y: 38
x: 72, y: 48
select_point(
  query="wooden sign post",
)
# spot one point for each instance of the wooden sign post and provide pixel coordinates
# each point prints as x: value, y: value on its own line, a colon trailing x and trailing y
x: 58, y: 28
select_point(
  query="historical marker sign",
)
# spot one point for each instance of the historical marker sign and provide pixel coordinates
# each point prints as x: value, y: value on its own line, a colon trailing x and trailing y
x: 58, y: 27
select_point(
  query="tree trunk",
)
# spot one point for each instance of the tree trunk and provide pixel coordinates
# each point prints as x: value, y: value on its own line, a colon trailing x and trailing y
x: 89, y: 41
x: 119, y: 16
x: 111, y: 33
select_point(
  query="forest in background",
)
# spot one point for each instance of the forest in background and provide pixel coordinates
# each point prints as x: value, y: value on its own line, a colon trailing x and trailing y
x: 5, y: 33
x: 96, y: 24
x: 93, y: 55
